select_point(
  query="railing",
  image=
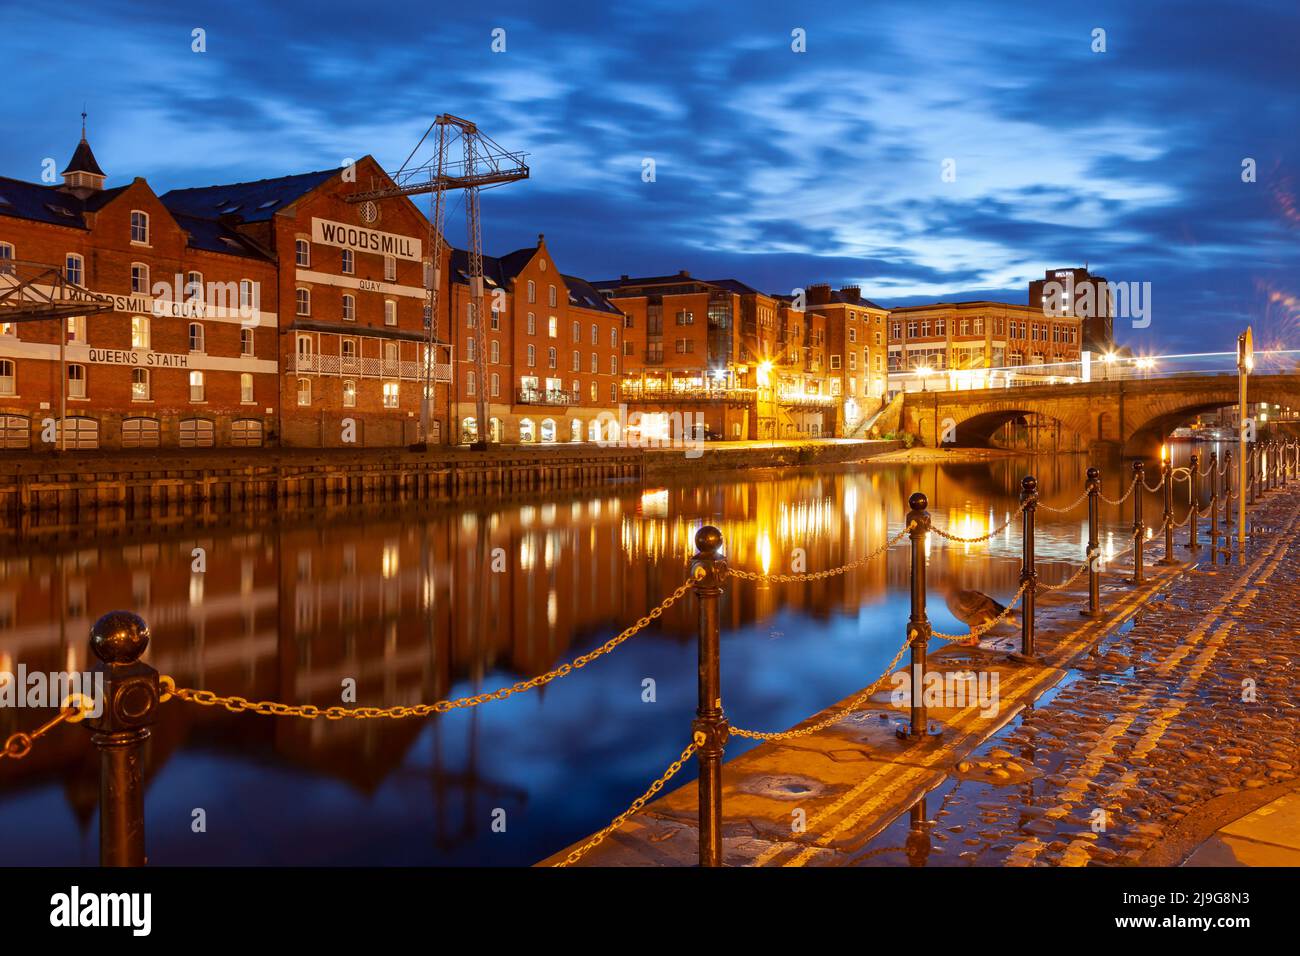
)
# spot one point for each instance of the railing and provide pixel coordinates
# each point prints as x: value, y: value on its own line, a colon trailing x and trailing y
x: 345, y: 366
x: 700, y: 393
x: 133, y: 691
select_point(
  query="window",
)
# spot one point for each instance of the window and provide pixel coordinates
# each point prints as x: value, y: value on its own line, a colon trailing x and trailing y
x: 302, y: 253
x: 248, y: 295
x: 390, y: 312
x: 595, y: 363
x: 139, y: 277
x: 77, y: 329
x: 246, y: 387
x: 140, y: 433
x: 685, y: 318
x: 6, y: 252
x: 532, y: 324
x: 196, y: 337
x: 613, y: 365
x: 494, y: 352
x: 304, y: 392
x: 349, y: 394
x: 835, y: 362
x: 853, y: 335
x: 15, y: 431
x: 139, y: 226
x: 74, y: 268
x: 246, y: 347
x: 139, y: 384
x: 496, y: 385
x: 302, y: 297
x: 551, y: 359
x: 553, y: 327
x: 551, y: 298
x: 348, y: 350
x: 532, y: 356
x: 390, y: 395
x: 197, y: 433
x: 246, y: 432
x: 349, y: 308
x: 494, y: 322
x: 349, y: 262
x: 193, y: 291
x: 8, y: 386
x: 139, y: 332
x: 613, y: 337
x: 390, y: 268
x: 577, y: 360
x: 471, y: 350
x: 196, y: 386
x: 390, y: 353
x: 471, y: 383
x: 532, y: 291
x: 76, y: 381
x: 853, y: 361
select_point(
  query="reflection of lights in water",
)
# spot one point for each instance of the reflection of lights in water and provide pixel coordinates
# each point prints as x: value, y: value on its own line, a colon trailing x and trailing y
x: 1151, y: 533
x: 390, y: 561
x: 765, y: 552
x: 427, y: 591
x: 527, y: 514
x: 196, y: 590
x: 548, y: 554
x: 468, y: 521
x: 70, y: 660
x: 527, y: 552
x: 596, y: 508
x: 575, y: 511
x: 1110, y: 545
x: 654, y: 504
x: 851, y: 502
x: 552, y: 608
x: 548, y: 514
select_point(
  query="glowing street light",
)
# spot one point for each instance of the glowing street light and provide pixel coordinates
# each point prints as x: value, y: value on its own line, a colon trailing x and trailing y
x: 924, y: 371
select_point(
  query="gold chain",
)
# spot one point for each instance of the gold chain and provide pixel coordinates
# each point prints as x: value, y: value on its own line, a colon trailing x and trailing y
x: 819, y: 575
x: 637, y: 804
x: 237, y: 705
x: 835, y: 717
x: 1120, y: 501
x: 1070, y: 507
x: 975, y: 632
x: 74, y: 710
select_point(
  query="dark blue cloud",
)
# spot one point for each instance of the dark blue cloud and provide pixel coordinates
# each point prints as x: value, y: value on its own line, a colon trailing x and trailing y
x: 778, y: 168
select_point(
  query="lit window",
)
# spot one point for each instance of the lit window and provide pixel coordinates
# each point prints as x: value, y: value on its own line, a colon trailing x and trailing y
x: 77, y: 329
x: 304, y: 392
x: 139, y: 226
x: 196, y: 386
x: 246, y: 387
x: 349, y: 394
x: 390, y: 395
x: 139, y: 332
x: 553, y: 327
x: 139, y: 384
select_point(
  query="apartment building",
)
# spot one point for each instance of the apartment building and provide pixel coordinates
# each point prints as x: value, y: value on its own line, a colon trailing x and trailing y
x: 960, y: 336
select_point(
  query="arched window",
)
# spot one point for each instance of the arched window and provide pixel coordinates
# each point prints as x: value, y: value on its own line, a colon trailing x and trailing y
x: 349, y: 308
x: 548, y: 429
x: 575, y: 430
x: 527, y: 430
x: 140, y: 278
x: 468, y: 430
x: 304, y: 392
x: 196, y: 337
x: 532, y: 291
x: 302, y: 253
x: 15, y: 431
x: 246, y: 343
x: 76, y: 381
x: 349, y: 394
x: 302, y: 298
x: 197, y: 433
x: 349, y: 262
x: 140, y: 433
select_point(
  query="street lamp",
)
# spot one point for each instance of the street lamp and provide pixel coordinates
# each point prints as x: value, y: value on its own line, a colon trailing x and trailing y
x: 1245, y: 363
x: 924, y: 371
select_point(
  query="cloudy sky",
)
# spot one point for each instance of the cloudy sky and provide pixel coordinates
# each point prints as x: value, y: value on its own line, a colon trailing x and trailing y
x: 772, y: 166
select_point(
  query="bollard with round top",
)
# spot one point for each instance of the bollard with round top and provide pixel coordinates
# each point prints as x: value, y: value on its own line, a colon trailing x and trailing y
x: 1028, y: 571
x: 1139, y: 528
x: 708, y: 569
x: 127, y: 701
x: 1194, y: 508
x: 1093, y: 486
x: 918, y: 622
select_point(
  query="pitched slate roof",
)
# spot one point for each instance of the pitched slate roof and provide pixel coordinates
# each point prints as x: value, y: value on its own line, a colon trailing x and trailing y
x: 583, y: 294
x: 246, y: 202
x: 50, y: 204
x: 215, y: 236
x: 497, y: 272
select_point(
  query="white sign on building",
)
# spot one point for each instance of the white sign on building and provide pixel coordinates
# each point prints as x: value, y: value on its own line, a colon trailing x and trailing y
x: 360, y: 239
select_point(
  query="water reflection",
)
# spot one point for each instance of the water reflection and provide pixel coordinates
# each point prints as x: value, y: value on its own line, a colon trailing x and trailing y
x: 435, y: 603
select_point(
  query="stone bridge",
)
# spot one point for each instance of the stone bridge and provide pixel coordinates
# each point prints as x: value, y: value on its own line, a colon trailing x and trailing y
x: 1128, y: 416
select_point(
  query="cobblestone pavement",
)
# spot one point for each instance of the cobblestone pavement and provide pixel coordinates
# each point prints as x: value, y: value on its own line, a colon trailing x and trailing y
x: 1185, y: 718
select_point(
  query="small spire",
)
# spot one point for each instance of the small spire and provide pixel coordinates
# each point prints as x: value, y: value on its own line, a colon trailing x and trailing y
x: 83, y: 122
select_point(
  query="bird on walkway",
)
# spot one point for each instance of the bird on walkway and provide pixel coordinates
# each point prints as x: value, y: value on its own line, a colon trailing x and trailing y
x: 974, y: 608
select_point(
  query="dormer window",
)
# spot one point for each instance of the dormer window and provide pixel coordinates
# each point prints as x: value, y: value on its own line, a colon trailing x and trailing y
x: 140, y: 227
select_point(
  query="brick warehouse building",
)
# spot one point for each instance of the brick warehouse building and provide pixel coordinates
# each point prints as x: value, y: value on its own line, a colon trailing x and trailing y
x: 554, y: 351
x: 189, y: 368
x: 327, y: 349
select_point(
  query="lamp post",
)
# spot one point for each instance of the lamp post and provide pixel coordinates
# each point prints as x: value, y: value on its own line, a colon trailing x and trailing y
x: 1245, y: 362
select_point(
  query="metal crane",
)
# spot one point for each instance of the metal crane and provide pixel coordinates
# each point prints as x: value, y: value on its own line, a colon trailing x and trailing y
x: 483, y: 164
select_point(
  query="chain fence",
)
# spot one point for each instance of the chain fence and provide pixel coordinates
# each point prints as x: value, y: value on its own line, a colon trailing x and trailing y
x: 74, y: 709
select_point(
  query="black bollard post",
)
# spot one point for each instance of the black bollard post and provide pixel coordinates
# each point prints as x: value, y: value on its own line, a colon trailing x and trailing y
x: 1194, y: 510
x: 918, y: 622
x: 129, y: 700
x: 1139, y: 529
x: 1227, y: 499
x: 1215, y: 484
x: 1167, y: 474
x: 1093, y: 484
x: 710, y: 730
x: 1028, y: 571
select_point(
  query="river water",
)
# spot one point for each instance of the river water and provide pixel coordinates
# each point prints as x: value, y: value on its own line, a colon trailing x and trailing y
x: 437, y: 602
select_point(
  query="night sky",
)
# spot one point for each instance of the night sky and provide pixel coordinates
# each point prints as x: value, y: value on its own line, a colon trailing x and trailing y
x: 774, y: 167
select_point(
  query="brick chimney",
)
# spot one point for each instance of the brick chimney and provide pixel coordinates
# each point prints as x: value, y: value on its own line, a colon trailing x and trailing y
x: 819, y: 294
x: 853, y: 293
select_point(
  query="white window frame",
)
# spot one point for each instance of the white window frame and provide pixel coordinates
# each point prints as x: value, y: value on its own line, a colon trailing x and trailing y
x: 142, y: 239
